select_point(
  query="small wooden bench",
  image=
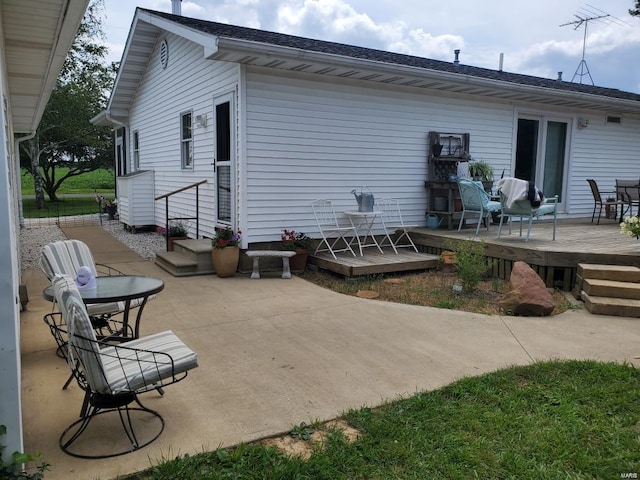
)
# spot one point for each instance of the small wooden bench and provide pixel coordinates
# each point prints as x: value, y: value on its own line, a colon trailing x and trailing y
x: 284, y: 254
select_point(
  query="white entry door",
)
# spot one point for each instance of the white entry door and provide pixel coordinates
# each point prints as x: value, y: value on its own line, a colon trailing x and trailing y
x: 224, y: 161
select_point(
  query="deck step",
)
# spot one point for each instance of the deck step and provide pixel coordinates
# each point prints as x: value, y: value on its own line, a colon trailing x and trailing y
x: 619, y: 307
x: 611, y: 288
x: 189, y: 257
x: 621, y: 273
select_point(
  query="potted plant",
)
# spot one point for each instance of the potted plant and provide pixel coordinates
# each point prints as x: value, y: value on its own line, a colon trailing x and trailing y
x: 178, y: 230
x: 448, y: 260
x: 111, y: 207
x: 298, y: 242
x: 225, y: 253
x: 479, y: 170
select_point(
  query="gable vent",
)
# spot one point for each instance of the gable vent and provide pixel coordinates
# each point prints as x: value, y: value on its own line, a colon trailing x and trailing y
x: 614, y: 119
x: 164, y: 54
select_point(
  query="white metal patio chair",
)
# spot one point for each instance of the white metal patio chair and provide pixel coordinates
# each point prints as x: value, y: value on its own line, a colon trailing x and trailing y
x: 330, y: 230
x: 112, y: 376
x: 476, y: 201
x: 395, y: 230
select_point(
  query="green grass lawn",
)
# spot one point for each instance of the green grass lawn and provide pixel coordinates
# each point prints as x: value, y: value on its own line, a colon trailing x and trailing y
x: 551, y: 420
x: 101, y: 180
x: 65, y: 207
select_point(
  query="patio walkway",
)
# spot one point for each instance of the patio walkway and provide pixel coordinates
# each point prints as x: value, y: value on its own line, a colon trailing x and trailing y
x: 274, y: 353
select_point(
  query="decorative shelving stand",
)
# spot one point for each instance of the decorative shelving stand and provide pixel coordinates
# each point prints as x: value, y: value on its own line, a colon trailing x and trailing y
x: 445, y: 152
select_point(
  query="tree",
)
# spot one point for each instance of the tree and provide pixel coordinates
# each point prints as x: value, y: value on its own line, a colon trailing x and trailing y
x: 636, y: 11
x: 65, y: 137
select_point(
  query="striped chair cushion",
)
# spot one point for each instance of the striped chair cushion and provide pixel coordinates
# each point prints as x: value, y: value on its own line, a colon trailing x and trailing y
x: 136, y: 366
x: 135, y: 370
x: 82, y: 342
x: 66, y: 257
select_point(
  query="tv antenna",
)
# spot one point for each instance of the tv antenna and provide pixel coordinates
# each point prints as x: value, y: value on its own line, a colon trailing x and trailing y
x: 584, y: 16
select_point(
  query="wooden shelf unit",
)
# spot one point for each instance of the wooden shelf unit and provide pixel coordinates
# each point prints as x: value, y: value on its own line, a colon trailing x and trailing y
x: 442, y: 172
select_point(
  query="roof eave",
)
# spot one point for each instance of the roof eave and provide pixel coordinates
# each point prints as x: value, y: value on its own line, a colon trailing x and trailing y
x: 491, y: 86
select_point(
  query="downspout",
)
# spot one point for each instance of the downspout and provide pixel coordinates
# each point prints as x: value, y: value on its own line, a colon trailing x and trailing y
x: 119, y: 124
x: 18, y: 182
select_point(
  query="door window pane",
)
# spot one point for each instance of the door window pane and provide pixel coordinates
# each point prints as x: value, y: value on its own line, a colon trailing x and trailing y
x: 554, y: 159
x: 526, y: 149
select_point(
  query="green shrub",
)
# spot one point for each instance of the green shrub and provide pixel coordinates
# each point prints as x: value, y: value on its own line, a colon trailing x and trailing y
x: 13, y: 468
x: 471, y: 263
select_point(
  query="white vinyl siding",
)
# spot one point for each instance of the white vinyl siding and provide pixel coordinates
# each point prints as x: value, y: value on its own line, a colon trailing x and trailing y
x: 604, y: 152
x: 309, y: 139
x: 302, y: 136
x: 187, y: 84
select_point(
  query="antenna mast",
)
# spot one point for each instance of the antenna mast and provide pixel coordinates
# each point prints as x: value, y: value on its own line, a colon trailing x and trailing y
x: 583, y: 69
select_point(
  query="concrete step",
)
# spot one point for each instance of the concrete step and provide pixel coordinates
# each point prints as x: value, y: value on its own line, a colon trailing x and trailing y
x: 619, y: 307
x: 189, y: 257
x: 611, y: 288
x: 621, y: 273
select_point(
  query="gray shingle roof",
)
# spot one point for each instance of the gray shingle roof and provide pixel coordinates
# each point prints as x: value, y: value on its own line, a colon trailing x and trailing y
x: 321, y: 46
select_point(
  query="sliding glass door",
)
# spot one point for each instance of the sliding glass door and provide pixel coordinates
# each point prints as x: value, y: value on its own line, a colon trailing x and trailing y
x: 542, y: 152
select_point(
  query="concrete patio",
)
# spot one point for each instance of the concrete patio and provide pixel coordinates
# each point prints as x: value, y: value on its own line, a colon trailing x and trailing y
x: 274, y: 353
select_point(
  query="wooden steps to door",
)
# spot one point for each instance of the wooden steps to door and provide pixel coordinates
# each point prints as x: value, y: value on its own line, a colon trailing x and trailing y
x: 609, y: 289
x: 189, y: 257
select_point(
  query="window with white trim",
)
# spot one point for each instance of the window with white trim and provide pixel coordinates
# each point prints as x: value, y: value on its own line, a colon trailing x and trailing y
x: 186, y: 139
x: 136, y: 151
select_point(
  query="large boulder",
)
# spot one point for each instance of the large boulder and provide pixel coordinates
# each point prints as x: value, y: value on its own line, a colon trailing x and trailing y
x: 529, y: 296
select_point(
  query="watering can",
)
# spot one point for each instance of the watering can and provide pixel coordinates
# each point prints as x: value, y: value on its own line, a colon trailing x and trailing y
x: 433, y: 221
x: 364, y: 199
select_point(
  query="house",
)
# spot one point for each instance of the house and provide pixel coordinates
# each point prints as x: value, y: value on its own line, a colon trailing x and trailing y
x: 35, y: 41
x: 274, y: 121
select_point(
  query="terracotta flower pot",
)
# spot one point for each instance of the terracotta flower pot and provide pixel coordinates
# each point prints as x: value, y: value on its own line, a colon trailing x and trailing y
x: 225, y: 261
x: 298, y: 262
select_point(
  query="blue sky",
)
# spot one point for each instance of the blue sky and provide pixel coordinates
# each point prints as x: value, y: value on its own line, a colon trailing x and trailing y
x: 528, y: 33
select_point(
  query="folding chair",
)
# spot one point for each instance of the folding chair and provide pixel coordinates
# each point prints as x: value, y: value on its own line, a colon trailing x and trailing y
x: 629, y: 192
x: 330, y: 230
x: 476, y: 201
x: 112, y: 376
x: 393, y: 224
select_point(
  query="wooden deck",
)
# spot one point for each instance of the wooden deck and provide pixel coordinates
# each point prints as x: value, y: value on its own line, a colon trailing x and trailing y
x: 577, y: 241
x: 373, y: 262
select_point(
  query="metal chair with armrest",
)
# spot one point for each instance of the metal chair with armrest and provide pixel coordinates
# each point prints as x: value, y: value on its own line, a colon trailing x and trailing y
x: 524, y: 210
x: 475, y: 200
x: 618, y: 199
x: 113, y: 375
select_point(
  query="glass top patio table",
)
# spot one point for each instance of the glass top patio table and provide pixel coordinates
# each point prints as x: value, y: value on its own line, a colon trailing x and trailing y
x: 119, y: 288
